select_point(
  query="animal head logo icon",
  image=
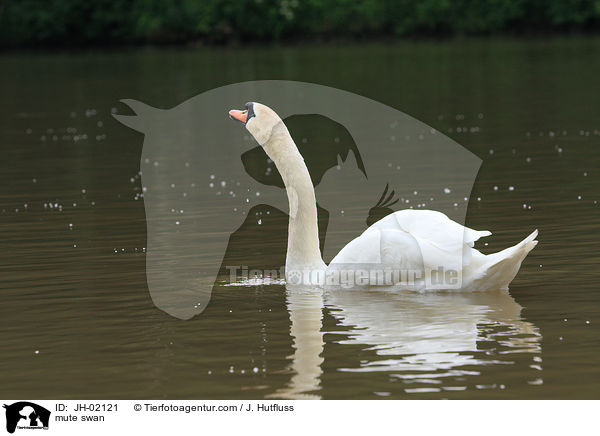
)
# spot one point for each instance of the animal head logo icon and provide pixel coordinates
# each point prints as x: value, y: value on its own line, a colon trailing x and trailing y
x: 25, y: 414
x: 200, y: 184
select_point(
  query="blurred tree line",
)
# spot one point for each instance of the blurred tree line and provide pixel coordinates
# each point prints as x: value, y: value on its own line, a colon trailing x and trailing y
x: 106, y: 22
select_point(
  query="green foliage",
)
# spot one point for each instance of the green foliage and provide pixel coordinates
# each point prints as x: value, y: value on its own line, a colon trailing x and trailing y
x: 84, y: 22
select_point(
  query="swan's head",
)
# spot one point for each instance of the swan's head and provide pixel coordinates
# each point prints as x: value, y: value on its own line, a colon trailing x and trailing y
x: 260, y: 120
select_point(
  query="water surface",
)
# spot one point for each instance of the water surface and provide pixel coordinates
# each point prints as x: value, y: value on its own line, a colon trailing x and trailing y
x: 77, y: 318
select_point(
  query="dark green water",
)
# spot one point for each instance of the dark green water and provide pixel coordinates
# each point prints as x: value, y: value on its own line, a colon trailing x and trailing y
x: 77, y: 320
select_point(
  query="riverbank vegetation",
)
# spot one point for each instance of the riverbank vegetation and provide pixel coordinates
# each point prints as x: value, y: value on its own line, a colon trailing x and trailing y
x: 26, y: 23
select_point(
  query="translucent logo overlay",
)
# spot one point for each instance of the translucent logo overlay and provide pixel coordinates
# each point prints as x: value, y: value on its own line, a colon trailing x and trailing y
x: 216, y: 207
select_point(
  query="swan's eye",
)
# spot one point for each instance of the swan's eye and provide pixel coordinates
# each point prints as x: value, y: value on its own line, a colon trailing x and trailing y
x: 250, y: 110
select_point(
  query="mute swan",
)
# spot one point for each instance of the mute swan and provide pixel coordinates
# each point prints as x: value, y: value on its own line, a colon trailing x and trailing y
x: 423, y: 243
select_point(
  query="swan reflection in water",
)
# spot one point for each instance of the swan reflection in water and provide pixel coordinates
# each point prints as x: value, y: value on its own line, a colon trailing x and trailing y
x: 422, y: 339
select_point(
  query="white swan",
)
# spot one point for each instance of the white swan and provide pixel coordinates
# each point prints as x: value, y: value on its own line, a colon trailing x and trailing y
x: 415, y: 249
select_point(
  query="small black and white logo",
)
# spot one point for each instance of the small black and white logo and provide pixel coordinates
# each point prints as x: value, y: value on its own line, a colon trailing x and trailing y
x: 26, y: 415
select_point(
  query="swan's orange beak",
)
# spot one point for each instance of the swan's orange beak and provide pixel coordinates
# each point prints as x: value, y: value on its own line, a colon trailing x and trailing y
x: 241, y: 116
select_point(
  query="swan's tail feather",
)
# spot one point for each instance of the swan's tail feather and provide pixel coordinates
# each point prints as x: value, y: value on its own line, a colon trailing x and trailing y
x: 503, y: 266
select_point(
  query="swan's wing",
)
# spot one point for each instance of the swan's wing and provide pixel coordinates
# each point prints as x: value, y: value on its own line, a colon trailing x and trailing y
x: 414, y: 241
x: 444, y: 243
x: 431, y: 226
x: 399, y: 250
x: 380, y: 249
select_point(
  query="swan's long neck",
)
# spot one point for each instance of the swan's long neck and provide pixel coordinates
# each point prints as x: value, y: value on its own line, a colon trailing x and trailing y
x: 303, y: 234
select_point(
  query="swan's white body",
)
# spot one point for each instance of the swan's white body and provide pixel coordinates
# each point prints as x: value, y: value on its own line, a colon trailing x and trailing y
x: 408, y: 240
x: 426, y: 240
